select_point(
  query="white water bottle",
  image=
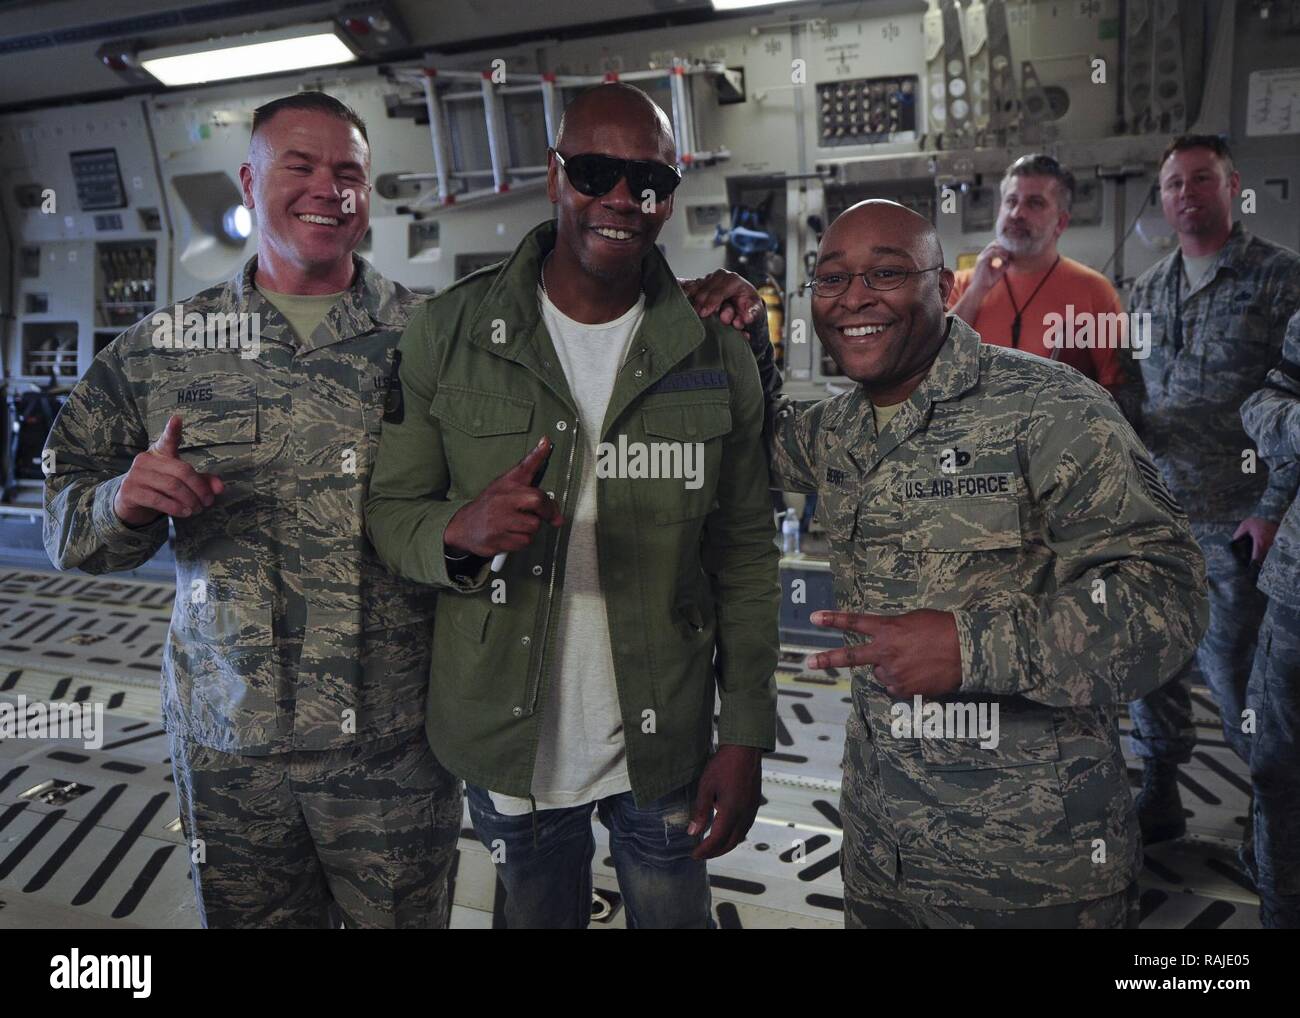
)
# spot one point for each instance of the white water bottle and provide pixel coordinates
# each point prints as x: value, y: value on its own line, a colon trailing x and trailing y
x: 790, y: 533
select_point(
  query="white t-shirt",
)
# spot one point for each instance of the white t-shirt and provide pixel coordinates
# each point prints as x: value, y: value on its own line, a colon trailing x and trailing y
x: 581, y: 755
x: 1195, y: 269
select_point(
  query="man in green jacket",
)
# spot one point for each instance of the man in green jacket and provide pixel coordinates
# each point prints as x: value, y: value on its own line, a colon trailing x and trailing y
x: 566, y: 417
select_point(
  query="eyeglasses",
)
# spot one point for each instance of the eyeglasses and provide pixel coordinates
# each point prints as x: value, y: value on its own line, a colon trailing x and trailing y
x: 886, y: 277
x: 594, y: 174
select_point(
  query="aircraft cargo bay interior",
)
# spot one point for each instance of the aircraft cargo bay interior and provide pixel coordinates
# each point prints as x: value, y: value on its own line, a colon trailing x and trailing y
x: 650, y: 464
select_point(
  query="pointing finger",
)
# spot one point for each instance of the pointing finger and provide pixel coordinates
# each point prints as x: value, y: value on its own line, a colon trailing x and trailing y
x: 169, y: 442
x: 523, y: 471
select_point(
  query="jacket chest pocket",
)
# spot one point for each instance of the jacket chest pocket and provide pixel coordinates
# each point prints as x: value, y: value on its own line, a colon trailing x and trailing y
x: 219, y: 424
x: 484, y: 434
x: 963, y: 547
x: 677, y: 466
x: 962, y: 526
x: 1237, y: 351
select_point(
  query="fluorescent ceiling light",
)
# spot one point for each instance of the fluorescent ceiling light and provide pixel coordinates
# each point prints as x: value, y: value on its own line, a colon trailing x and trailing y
x: 246, y: 56
x: 735, y: 5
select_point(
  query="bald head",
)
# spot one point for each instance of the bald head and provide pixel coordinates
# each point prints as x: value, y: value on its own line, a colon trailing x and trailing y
x: 899, y: 230
x: 618, y: 123
x: 884, y: 335
x: 589, y: 119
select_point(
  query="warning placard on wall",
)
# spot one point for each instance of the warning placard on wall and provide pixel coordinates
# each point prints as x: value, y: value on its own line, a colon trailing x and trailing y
x: 1273, y: 102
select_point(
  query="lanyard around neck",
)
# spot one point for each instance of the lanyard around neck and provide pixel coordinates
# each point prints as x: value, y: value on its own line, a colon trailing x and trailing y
x: 1015, y: 324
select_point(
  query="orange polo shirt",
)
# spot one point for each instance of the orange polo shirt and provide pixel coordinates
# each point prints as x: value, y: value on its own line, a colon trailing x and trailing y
x: 1088, y: 291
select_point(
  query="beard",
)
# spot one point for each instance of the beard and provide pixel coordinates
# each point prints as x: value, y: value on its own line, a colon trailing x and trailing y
x: 1025, y: 245
x: 616, y: 273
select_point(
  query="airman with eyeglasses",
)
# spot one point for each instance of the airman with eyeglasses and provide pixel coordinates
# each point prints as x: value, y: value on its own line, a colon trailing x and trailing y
x: 976, y: 501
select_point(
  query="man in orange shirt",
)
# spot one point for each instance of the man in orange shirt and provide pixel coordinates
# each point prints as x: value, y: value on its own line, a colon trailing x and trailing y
x: 1024, y: 294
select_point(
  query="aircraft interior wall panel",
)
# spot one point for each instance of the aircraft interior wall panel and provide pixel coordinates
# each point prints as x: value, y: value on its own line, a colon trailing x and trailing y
x: 1062, y: 40
x: 845, y: 49
x: 757, y: 135
x: 201, y: 137
x: 1269, y: 162
x: 60, y: 234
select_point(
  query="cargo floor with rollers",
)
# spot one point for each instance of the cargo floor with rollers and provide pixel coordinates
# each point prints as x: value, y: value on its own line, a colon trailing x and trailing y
x: 102, y: 848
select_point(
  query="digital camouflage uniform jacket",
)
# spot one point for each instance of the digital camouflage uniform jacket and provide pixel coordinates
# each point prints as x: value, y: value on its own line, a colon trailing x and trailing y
x: 1009, y: 491
x: 1209, y: 351
x: 287, y: 632
x: 1272, y: 417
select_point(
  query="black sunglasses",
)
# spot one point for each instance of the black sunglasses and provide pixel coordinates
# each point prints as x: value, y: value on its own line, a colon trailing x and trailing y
x: 594, y: 174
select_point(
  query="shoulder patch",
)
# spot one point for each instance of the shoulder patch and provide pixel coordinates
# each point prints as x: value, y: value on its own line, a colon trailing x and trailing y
x: 1155, y: 484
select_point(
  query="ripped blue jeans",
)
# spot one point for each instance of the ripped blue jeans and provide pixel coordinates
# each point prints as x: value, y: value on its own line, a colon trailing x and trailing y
x: 548, y: 883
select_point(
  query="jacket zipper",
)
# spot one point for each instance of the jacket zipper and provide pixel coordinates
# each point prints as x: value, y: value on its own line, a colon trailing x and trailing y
x: 550, y: 588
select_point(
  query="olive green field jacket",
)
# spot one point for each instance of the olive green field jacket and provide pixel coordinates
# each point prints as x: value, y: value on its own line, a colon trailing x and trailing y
x: 688, y: 564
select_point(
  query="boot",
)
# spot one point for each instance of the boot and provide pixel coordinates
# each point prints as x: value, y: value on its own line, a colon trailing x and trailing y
x: 1159, y: 808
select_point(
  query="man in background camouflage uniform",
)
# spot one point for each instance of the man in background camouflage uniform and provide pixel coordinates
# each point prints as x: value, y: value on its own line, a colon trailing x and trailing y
x: 295, y: 667
x: 1017, y: 552
x: 1272, y: 417
x: 1218, y: 306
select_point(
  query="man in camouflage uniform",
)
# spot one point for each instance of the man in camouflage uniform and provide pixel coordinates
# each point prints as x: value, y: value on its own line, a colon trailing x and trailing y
x: 1272, y: 418
x: 1218, y: 306
x: 295, y: 667
x: 1017, y: 551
